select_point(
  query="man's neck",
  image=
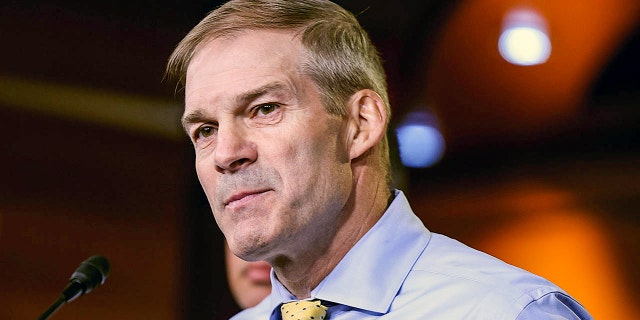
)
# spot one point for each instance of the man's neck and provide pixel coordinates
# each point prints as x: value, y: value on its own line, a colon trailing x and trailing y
x: 302, y: 273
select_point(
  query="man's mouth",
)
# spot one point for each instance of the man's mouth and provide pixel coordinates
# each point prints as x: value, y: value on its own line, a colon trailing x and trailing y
x: 240, y: 198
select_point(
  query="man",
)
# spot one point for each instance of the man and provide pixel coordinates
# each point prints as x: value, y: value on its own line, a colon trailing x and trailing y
x: 286, y: 105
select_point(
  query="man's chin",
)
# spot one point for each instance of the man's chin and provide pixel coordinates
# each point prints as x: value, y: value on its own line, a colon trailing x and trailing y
x: 248, y: 248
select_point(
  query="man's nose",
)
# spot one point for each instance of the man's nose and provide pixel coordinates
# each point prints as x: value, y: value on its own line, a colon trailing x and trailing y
x: 234, y: 150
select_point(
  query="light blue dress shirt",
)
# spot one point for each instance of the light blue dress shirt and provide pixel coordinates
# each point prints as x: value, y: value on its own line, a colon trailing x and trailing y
x: 400, y: 270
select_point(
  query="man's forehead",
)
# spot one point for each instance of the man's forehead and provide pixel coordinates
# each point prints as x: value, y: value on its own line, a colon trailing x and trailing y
x: 248, y: 43
x: 243, y: 58
x: 241, y: 86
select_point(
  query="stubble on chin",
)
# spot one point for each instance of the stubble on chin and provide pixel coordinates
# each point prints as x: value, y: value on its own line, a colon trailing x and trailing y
x: 244, y: 227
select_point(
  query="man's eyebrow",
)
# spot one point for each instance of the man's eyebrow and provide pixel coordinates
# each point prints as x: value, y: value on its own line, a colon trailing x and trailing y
x: 253, y: 94
x: 244, y: 98
x: 192, y: 117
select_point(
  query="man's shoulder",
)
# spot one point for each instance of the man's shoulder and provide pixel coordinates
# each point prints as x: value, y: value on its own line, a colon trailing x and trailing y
x: 452, y: 260
x: 471, y: 281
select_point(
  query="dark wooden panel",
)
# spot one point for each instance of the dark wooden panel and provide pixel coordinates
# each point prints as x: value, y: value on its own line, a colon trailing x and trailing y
x: 70, y: 190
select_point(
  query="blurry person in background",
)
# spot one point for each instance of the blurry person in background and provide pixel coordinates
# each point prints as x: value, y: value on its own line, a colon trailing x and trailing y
x: 249, y: 281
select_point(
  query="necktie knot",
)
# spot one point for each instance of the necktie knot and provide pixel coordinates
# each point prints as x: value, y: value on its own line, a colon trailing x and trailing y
x: 303, y: 310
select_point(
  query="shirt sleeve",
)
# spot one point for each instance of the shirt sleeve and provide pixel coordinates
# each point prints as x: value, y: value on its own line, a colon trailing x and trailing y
x: 554, y: 306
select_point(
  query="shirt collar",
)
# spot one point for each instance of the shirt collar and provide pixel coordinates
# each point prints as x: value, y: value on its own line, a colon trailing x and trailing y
x: 372, y: 272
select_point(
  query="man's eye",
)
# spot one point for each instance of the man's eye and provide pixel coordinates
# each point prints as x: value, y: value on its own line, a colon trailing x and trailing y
x: 266, y: 108
x: 205, y: 132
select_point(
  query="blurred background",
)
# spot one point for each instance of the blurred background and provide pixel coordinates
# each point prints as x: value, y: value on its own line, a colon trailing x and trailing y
x: 515, y: 130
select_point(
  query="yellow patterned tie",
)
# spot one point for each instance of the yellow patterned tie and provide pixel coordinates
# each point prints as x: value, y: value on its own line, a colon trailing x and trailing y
x: 303, y: 310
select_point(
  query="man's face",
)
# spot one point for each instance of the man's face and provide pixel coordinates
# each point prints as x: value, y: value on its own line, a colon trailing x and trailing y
x: 273, y: 163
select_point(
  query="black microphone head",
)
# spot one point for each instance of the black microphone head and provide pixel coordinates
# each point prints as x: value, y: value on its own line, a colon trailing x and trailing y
x: 91, y: 273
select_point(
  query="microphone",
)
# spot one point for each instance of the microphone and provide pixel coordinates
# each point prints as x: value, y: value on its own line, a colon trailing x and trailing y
x: 90, y: 274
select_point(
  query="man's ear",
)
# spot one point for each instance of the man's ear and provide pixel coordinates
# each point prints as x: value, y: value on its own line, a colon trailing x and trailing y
x: 368, y: 123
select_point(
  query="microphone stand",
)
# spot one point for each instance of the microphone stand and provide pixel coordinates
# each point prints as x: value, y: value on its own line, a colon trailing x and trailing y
x: 73, y: 290
x: 53, y: 308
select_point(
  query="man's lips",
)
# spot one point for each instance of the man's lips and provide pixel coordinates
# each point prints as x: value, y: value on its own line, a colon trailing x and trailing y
x: 242, y: 197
